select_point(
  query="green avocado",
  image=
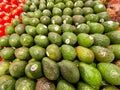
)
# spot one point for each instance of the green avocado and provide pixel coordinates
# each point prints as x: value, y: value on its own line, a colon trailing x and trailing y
x: 25, y: 83
x: 37, y: 52
x: 44, y: 84
x: 84, y: 86
x: 110, y: 73
x: 53, y: 52
x: 69, y: 71
x: 68, y: 52
x: 64, y: 85
x: 90, y: 74
x: 50, y: 69
x: 116, y: 50
x: 114, y: 37
x: 102, y: 54
x: 7, y: 82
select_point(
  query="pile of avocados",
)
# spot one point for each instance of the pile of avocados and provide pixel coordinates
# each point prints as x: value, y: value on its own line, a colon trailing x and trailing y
x: 61, y: 45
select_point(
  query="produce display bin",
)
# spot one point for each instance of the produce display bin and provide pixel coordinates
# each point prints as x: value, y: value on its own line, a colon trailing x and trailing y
x: 59, y: 44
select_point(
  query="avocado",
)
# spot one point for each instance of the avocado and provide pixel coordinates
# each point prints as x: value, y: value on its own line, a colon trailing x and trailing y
x: 96, y: 27
x: 110, y: 87
x: 14, y: 40
x: 45, y: 20
x: 77, y: 11
x: 50, y: 69
x: 114, y: 37
x: 7, y: 53
x: 54, y: 28
x: 78, y: 3
x: 110, y: 72
x: 92, y: 17
x: 53, y: 52
x: 37, y: 52
x: 89, y: 3
x: 68, y: 52
x: 78, y: 19
x: 67, y: 19
x: 41, y: 40
x: 85, y: 54
x: 69, y: 71
x: 4, y: 41
x: 7, y: 82
x: 82, y: 28
x: 55, y: 38
x: 101, y: 40
x: 42, y: 29
x: 64, y: 85
x: 104, y: 16
x: 56, y: 20
x: 44, y: 84
x: 31, y: 30
x: 20, y: 29
x: 103, y: 54
x: 99, y: 8
x: 33, y: 70
x: 17, y: 68
x: 116, y: 50
x: 85, y: 40
x: 22, y: 53
x: 26, y: 40
x: 69, y: 38
x: 66, y: 28
x: 110, y: 26
x: 84, y: 86
x: 87, y: 10
x: 4, y: 67
x: 10, y: 29
x: 68, y: 11
x: 60, y: 5
x: 24, y: 83
x: 90, y: 74
x: 47, y: 12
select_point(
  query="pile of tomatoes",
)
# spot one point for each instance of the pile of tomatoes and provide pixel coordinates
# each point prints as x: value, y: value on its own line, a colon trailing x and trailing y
x: 9, y: 9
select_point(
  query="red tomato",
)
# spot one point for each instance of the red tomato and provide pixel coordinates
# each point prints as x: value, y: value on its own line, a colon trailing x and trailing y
x: 14, y: 6
x: 6, y: 19
x: 2, y: 32
x: 7, y: 8
x: 0, y: 58
x: 1, y: 10
x: 20, y: 18
x: 7, y: 24
x: 10, y: 15
x: 14, y: 12
x: 2, y: 5
x: 2, y: 14
x: 19, y: 9
x: 1, y: 1
x: 9, y: 0
x: 17, y: 16
x: 1, y: 21
x: 14, y: 2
